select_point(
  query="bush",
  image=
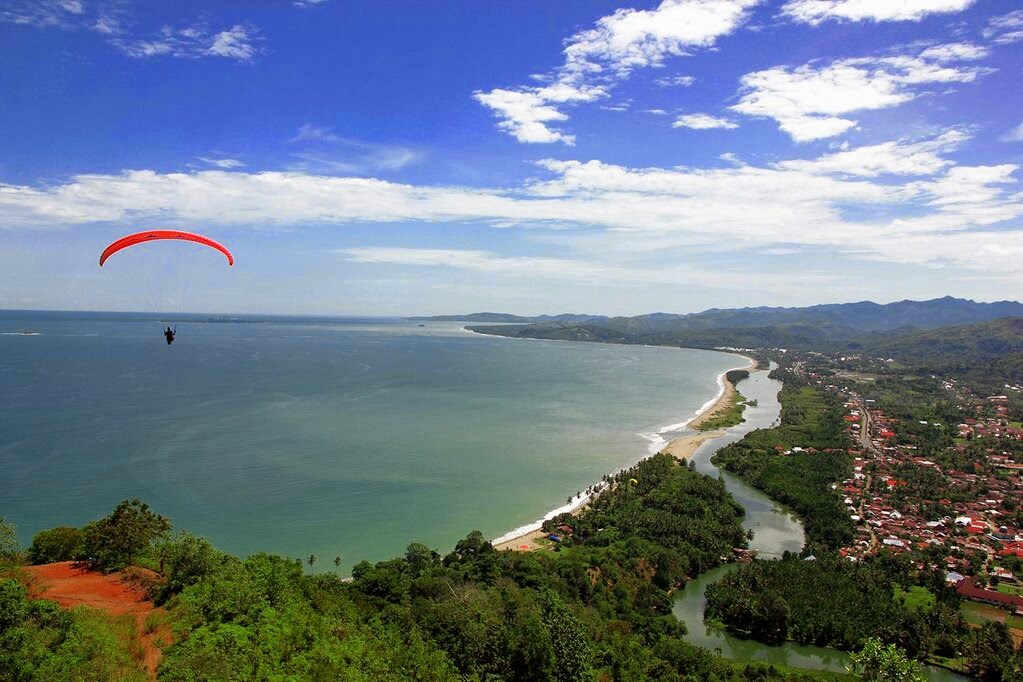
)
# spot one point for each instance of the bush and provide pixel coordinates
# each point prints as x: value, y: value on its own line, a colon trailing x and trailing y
x: 62, y: 543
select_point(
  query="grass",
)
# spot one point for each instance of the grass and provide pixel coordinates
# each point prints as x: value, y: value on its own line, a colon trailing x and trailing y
x: 724, y: 418
x: 916, y: 598
x: 978, y: 614
x: 1010, y: 589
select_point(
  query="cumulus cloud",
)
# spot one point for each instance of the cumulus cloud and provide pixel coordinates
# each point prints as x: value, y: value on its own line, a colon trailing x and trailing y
x: 817, y: 11
x: 234, y: 43
x: 702, y: 122
x: 526, y: 114
x: 810, y: 102
x: 597, y: 57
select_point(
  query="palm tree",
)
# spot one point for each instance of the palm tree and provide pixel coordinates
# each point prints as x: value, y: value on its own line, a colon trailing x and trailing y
x: 311, y: 560
x: 337, y: 562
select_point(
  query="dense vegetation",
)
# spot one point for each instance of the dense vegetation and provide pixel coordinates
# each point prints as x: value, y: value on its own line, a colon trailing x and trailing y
x: 801, y: 480
x: 986, y: 349
x: 598, y: 608
x: 39, y: 641
x: 829, y: 601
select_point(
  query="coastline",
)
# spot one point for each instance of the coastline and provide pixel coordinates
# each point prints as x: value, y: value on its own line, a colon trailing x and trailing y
x: 524, y: 538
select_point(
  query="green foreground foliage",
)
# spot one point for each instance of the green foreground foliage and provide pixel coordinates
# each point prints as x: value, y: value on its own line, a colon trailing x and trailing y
x: 39, y: 641
x: 596, y: 608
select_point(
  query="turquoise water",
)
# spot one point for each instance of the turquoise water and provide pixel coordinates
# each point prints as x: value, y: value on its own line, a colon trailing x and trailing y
x: 326, y: 437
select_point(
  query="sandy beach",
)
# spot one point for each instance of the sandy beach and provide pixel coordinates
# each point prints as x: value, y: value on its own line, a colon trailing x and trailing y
x: 680, y: 448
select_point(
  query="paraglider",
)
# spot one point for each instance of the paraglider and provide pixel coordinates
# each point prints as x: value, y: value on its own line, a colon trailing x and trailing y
x: 633, y: 481
x: 159, y: 235
x: 156, y: 235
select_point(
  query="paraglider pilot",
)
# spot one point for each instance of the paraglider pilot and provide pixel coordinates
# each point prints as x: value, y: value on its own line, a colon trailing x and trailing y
x: 170, y: 335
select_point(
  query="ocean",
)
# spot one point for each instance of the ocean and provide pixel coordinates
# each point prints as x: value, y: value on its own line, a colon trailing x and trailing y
x: 330, y: 437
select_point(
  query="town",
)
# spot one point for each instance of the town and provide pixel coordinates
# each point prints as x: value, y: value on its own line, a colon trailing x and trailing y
x: 937, y: 480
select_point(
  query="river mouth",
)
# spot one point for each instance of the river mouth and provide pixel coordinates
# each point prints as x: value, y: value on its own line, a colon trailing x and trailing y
x: 776, y: 530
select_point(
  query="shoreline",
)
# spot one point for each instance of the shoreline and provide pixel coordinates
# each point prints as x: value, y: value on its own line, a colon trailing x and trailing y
x: 523, y: 538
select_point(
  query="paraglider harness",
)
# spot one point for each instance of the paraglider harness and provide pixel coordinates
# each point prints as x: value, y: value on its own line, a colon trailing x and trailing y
x: 171, y: 333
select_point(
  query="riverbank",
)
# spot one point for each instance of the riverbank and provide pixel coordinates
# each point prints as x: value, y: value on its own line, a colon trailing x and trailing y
x: 527, y: 538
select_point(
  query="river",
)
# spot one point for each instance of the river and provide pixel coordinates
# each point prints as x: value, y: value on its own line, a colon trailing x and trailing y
x: 776, y: 530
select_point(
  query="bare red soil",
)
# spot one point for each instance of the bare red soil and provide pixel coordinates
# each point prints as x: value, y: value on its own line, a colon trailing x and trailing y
x: 71, y: 584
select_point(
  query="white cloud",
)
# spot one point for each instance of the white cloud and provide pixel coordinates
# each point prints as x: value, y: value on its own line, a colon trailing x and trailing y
x: 702, y: 122
x: 525, y: 114
x: 810, y: 102
x: 234, y: 43
x: 481, y: 261
x: 817, y: 11
x: 595, y: 58
x: 42, y: 13
x: 239, y: 42
x: 1014, y: 135
x: 656, y: 112
x: 954, y: 52
x: 192, y: 42
x: 310, y: 131
x: 894, y: 158
x: 222, y: 163
x: 631, y: 38
x: 324, y: 151
x: 675, y: 81
x: 603, y: 208
x: 1005, y: 29
x: 565, y: 269
x: 305, y: 4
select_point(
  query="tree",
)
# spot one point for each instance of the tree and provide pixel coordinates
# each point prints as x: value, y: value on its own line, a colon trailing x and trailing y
x: 337, y: 561
x: 62, y: 543
x: 311, y: 560
x: 9, y: 547
x: 884, y: 663
x: 115, y: 541
x: 185, y: 559
x: 568, y: 638
x: 419, y: 557
x: 989, y: 652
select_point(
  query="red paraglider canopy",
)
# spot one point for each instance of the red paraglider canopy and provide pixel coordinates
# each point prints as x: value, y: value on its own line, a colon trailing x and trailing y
x: 154, y: 235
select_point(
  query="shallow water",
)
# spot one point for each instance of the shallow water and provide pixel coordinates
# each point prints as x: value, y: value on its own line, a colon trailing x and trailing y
x: 329, y: 437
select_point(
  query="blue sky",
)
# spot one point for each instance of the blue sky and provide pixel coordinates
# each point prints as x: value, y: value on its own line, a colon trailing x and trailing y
x: 403, y: 158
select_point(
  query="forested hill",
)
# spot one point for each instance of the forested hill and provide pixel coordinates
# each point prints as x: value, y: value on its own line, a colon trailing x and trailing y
x: 991, y: 352
x: 863, y: 316
x: 508, y: 317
